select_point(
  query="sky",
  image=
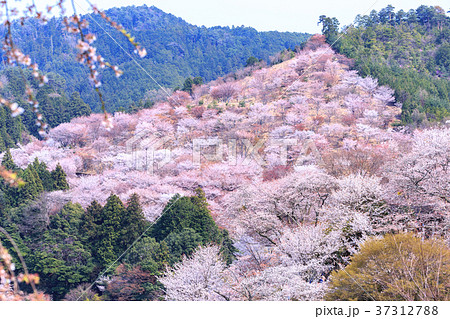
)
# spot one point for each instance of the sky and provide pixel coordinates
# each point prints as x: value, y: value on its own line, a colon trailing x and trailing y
x: 263, y: 15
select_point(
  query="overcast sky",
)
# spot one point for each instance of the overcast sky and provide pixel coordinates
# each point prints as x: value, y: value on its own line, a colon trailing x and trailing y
x: 281, y: 15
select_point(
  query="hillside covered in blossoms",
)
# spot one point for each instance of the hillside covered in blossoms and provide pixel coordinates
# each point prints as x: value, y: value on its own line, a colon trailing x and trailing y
x: 261, y: 185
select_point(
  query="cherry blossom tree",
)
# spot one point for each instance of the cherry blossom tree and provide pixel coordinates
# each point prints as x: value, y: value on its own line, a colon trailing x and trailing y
x: 263, y: 211
x: 276, y: 283
x: 361, y: 193
x: 196, y: 278
x: 69, y: 134
x: 224, y: 92
x: 422, y: 176
x: 385, y: 94
x: 368, y: 84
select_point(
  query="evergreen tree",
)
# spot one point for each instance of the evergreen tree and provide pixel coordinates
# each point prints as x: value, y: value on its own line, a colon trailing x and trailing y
x: 7, y: 140
x: 200, y: 198
x: 110, y: 230
x: 10, y: 129
x: 181, y: 243
x: 227, y: 249
x: 330, y: 28
x: 30, y: 190
x: 149, y: 254
x: 133, y: 222
x: 91, y: 222
x: 59, y: 179
x: 44, y: 174
x: 188, y: 220
x: 77, y: 107
x: 61, y: 258
x: 187, y: 85
x: 2, y: 144
x: 105, y: 254
x: 7, y: 161
x: 52, y: 105
x: 186, y: 212
x: 36, y: 178
x: 198, y: 80
x: 251, y: 61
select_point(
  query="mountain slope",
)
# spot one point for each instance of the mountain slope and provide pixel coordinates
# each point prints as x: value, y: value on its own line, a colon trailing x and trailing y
x: 312, y: 97
x: 301, y: 162
x: 409, y: 51
x: 176, y: 50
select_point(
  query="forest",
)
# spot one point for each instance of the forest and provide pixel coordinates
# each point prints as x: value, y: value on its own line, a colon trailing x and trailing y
x: 175, y: 50
x: 409, y: 51
x: 295, y: 179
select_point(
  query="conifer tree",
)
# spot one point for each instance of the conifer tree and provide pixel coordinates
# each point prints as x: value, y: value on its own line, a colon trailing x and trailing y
x: 37, y: 180
x: 52, y: 106
x: 133, y: 222
x: 77, y: 107
x: 187, y: 85
x: 59, y: 179
x: 30, y: 190
x: 44, y: 174
x: 200, y: 198
x: 91, y: 221
x: 110, y: 230
x: 7, y: 161
x: 7, y: 140
x: 2, y: 144
x: 105, y: 252
x: 186, y: 212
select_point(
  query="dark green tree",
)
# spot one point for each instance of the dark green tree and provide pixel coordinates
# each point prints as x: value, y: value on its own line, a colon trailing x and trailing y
x: 133, y: 222
x: 191, y: 213
x: 52, y: 103
x: 186, y: 212
x: 30, y: 190
x: 149, y: 254
x: 110, y: 231
x: 61, y: 259
x: 184, y: 242
x: 198, y: 80
x: 443, y: 57
x: 187, y: 85
x: 77, y: 107
x: 330, y: 28
x: 44, y: 174
x: 59, y: 178
x: 387, y: 15
x: 8, y: 162
x: 251, y: 61
x: 91, y: 221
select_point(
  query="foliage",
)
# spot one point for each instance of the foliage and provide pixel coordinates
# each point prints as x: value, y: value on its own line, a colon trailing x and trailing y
x: 57, y: 107
x: 407, y: 51
x: 62, y: 259
x: 112, y: 228
x: 36, y: 179
x: 251, y: 61
x: 176, y: 50
x: 396, y: 267
x: 9, y: 282
x: 131, y: 283
x: 279, y: 219
x: 10, y: 129
x: 185, y: 222
x: 59, y: 179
